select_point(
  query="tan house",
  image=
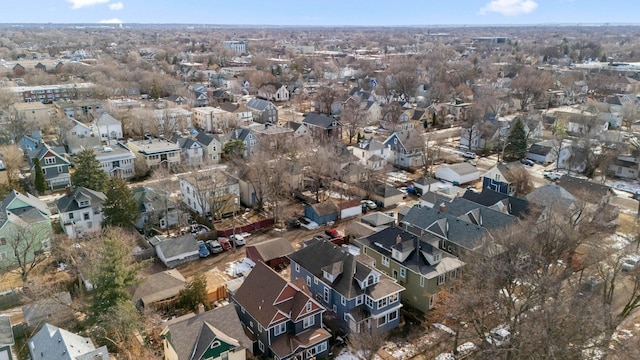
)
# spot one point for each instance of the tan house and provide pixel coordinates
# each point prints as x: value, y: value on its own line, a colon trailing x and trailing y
x: 31, y: 112
x: 156, y: 152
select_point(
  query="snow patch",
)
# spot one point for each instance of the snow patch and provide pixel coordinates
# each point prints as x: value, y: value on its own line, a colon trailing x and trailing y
x: 235, y: 269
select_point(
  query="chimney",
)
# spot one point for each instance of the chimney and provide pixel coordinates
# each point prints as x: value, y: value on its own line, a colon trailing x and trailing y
x: 200, y: 309
x: 67, y: 191
x: 443, y: 207
x: 398, y: 239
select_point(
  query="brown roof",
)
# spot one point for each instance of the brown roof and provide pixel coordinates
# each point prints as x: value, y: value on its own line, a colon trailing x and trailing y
x: 509, y: 170
x: 349, y: 204
x: 260, y: 290
x: 325, y: 208
x: 287, y: 345
x: 273, y: 249
x: 585, y: 190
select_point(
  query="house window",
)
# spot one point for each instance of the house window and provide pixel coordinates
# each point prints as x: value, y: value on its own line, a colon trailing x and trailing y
x: 261, y: 345
x: 96, y: 210
x: 3, y: 256
x: 382, y: 321
x: 403, y: 272
x: 392, y: 315
x: 382, y: 303
x: 393, y: 298
x: 297, y: 267
x: 452, y: 274
x: 3, y: 241
x: 86, y: 216
x: 315, y: 280
x: 432, y: 300
x: 326, y: 294
x: 70, y: 216
x: 308, y: 306
x: 280, y: 329
x: 359, y: 300
x: 308, y: 322
x: 260, y: 328
x: 343, y: 300
x: 385, y: 261
x: 369, y: 302
x: 50, y: 160
x: 422, y: 281
x: 308, y: 281
x: 440, y: 279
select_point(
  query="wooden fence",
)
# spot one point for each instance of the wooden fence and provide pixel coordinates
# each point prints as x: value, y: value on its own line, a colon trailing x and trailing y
x: 250, y: 228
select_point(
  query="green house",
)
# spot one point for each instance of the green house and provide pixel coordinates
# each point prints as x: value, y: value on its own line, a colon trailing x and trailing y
x: 416, y: 262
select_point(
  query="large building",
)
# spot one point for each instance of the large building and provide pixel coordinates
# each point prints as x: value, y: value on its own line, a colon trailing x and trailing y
x: 238, y: 46
x: 50, y: 93
x: 156, y: 152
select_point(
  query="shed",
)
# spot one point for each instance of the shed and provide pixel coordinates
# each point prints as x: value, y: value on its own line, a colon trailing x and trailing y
x: 322, y: 213
x: 350, y: 208
x: 377, y: 219
x: 56, y: 308
x: 175, y: 251
x: 272, y: 252
x: 159, y: 288
x: 461, y: 173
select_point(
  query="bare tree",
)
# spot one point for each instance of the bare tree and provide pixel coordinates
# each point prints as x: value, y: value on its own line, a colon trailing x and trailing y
x: 352, y: 117
x: 531, y: 86
x: 367, y: 342
x: 29, y: 243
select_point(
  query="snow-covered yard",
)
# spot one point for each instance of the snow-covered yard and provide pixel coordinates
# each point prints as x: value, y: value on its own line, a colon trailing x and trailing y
x: 235, y: 269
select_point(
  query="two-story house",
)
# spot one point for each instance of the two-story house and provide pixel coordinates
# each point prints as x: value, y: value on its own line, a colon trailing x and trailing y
x: 108, y: 127
x: 212, y: 119
x: 359, y: 296
x: 156, y: 208
x: 263, y: 111
x: 371, y: 153
x: 54, y: 166
x: 211, y: 147
x: 239, y: 111
x: 116, y: 160
x: 505, y: 177
x: 24, y: 226
x: 405, y: 148
x: 192, y: 151
x: 157, y: 152
x: 274, y: 92
x: 248, y: 137
x: 323, y: 127
x: 211, y: 193
x: 415, y: 262
x: 80, y: 210
x: 282, y: 316
x: 52, y: 342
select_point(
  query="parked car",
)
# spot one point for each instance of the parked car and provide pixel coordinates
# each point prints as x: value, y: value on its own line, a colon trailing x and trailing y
x: 630, y: 262
x: 468, y: 155
x: 369, y: 129
x: 527, y: 162
x: 202, y: 249
x: 333, y: 233
x: 214, y: 246
x: 238, y: 239
x: 499, y: 336
x: 405, y: 192
x: 369, y: 204
x: 293, y: 223
x: 225, y: 243
x: 553, y: 176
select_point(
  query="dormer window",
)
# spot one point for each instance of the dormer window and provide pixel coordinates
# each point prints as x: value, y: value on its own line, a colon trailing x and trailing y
x: 436, y: 257
x: 50, y: 160
x: 328, y: 276
x: 83, y: 203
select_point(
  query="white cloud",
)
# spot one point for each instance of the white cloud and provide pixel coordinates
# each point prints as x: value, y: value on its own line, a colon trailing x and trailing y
x: 77, y: 4
x: 116, y: 6
x: 509, y: 7
x: 110, y: 21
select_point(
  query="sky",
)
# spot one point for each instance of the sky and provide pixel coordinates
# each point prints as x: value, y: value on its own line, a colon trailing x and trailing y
x: 325, y: 12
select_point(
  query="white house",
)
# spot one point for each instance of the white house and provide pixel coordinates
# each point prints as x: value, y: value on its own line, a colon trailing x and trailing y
x: 544, y: 152
x: 211, y: 193
x: 173, y: 118
x: 461, y: 173
x: 116, y: 160
x: 79, y: 129
x: 108, y: 127
x: 274, y: 92
x: 371, y: 153
x: 192, y: 151
x: 80, y: 210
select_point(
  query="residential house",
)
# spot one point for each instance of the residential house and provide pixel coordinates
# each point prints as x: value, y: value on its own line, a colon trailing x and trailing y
x: 459, y: 109
x: 176, y: 251
x: 281, y: 316
x: 460, y: 173
x: 213, y: 335
x: 248, y: 137
x: 56, y: 308
x: 218, y: 97
x: 504, y: 177
x: 212, y: 119
x: 405, y: 149
x: 54, y: 166
x: 80, y: 210
x: 386, y: 195
x: 211, y: 193
x: 79, y: 137
x: 300, y: 131
x: 322, y: 126
x: 460, y: 225
x: 586, y: 190
x: 52, y: 342
x: 322, y: 213
x: 31, y: 112
x: 191, y: 150
x: 402, y: 123
x: 370, y: 108
x: 176, y: 100
x: 263, y: 111
x: 371, y: 153
x: 6, y: 338
x: 499, y: 201
x: 117, y: 160
x: 271, y: 252
x: 425, y: 184
x: 23, y: 218
x: 553, y: 200
x: 156, y: 208
x: 212, y: 147
x: 357, y: 296
x: 573, y: 158
x: 417, y: 263
x: 109, y: 127
x: 626, y: 166
x: 438, y: 194
x: 543, y: 152
x: 157, y: 152
x: 159, y: 289
x: 272, y: 136
x: 274, y: 92
x: 241, y: 112
x: 30, y: 142
x: 85, y: 110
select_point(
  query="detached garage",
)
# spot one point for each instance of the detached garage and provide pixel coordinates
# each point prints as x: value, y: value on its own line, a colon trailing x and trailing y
x: 322, y: 213
x: 458, y: 174
x: 350, y: 208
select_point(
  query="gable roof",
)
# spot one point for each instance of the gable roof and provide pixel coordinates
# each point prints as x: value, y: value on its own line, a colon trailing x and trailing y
x: 514, y: 206
x: 273, y: 249
x: 42, y: 308
x: 386, y: 190
x: 57, y: 343
x: 584, y: 189
x: 541, y: 148
x: 106, y: 119
x: 176, y: 246
x: 325, y: 208
x: 319, y: 120
x: 145, y: 195
x: 259, y: 104
x: 67, y: 203
x: 159, y: 286
x: 552, y: 195
x: 206, y: 139
x: 508, y: 170
x: 260, y: 291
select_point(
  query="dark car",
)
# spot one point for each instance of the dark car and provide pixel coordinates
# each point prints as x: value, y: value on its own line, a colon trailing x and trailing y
x: 527, y: 162
x: 202, y: 249
x: 293, y: 223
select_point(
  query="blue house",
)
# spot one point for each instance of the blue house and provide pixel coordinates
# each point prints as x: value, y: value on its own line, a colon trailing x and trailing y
x: 30, y: 142
x: 503, y: 178
x: 357, y: 296
x: 322, y: 213
x: 280, y: 316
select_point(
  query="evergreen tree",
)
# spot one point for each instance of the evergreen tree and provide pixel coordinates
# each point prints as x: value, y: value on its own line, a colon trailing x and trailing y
x: 516, y: 147
x: 193, y: 294
x: 40, y: 183
x: 434, y: 119
x: 234, y: 148
x: 88, y: 172
x: 120, y: 209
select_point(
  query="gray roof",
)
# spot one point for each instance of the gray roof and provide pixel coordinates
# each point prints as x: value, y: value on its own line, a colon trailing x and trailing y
x: 78, y: 194
x: 239, y: 133
x: 159, y: 286
x: 60, y: 344
x: 259, y: 104
x: 206, y: 139
x: 176, y: 246
x: 467, y: 210
x: 145, y: 195
x: 106, y: 119
x: 55, y: 304
x: 551, y: 195
x: 424, y: 181
x: 386, y: 190
x: 187, y: 332
x: 6, y: 332
x: 319, y: 120
x: 320, y: 254
x: 273, y: 249
x: 377, y: 219
x: 462, y: 168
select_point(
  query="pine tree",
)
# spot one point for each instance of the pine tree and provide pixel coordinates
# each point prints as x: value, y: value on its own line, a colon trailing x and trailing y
x: 516, y: 147
x: 120, y: 209
x: 88, y: 172
x: 39, y: 181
